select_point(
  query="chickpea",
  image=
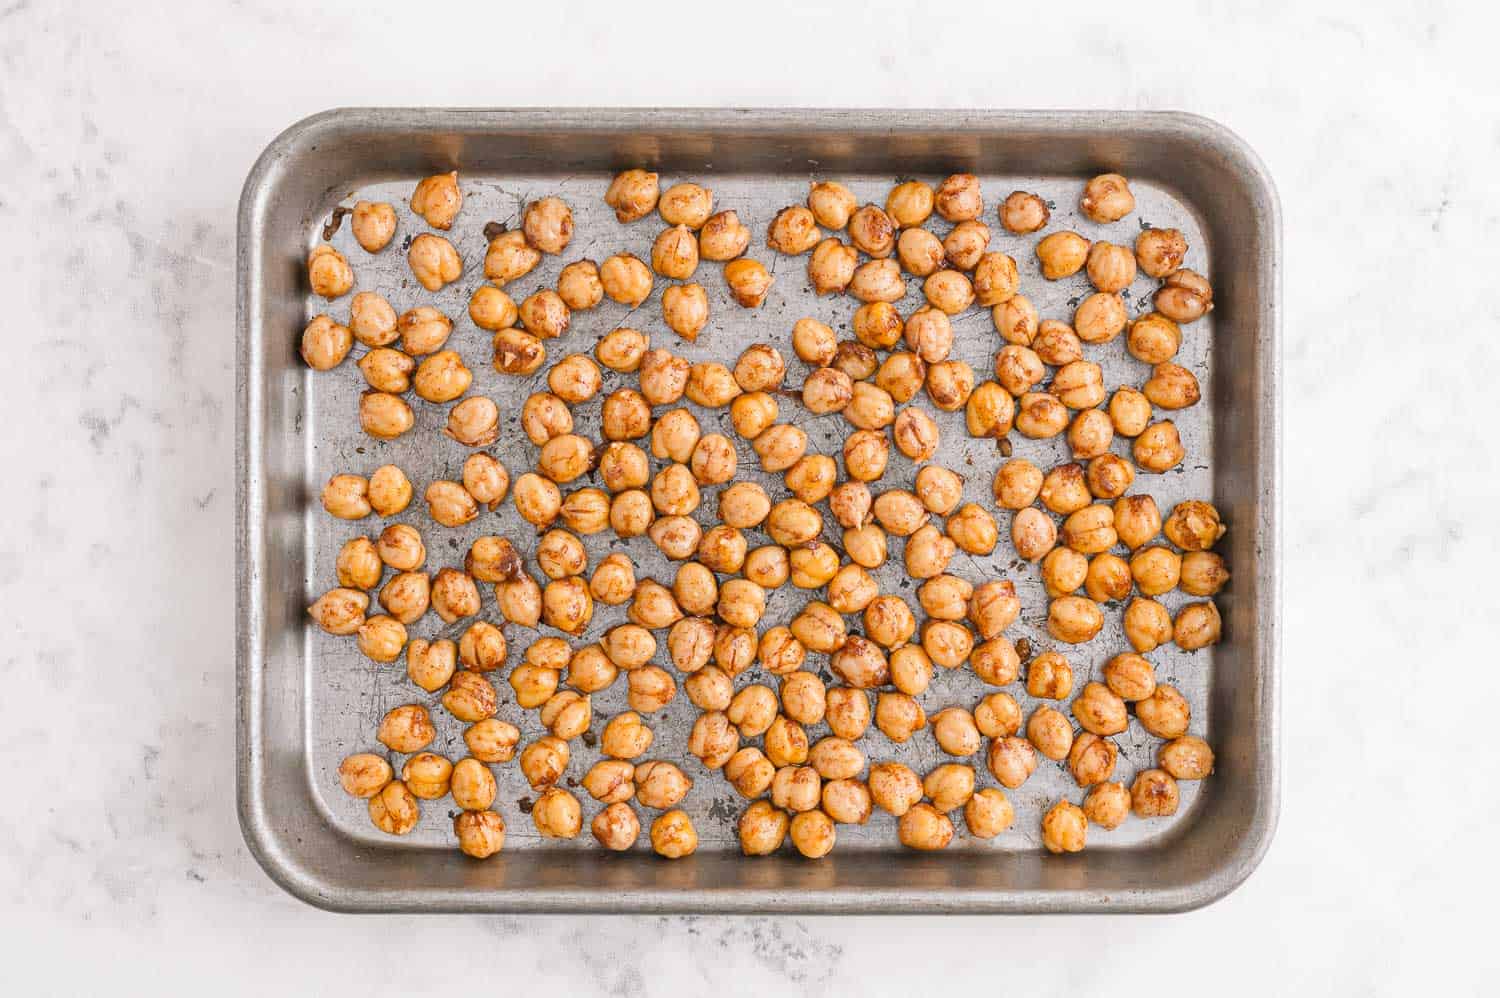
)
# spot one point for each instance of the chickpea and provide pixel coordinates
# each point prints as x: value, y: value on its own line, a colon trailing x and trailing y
x: 988, y: 813
x: 870, y: 407
x: 1062, y: 254
x: 780, y: 447
x: 537, y: 499
x: 748, y: 281
x: 1194, y: 525
x: 1185, y: 296
x: 888, y: 621
x: 1099, y: 318
x: 1160, y: 251
x: 780, y: 651
x: 686, y: 204
x: 386, y: 370
x: 945, y: 597
x: 394, y: 810
x: 996, y: 662
x: 851, y: 589
x: 832, y: 203
x: 1108, y: 579
x: 616, y: 827
x: 364, y: 775
x: 359, y: 565
x: 508, y: 257
x: 563, y: 459
x: 1041, y: 416
x: 994, y: 607
x: 586, y: 511
x: 749, y: 772
x: 929, y: 334
x: 675, y: 253
x: 899, y: 716
x: 1147, y: 624
x: 654, y: 605
x: 1064, y: 571
x: 347, y: 497
x: 1049, y: 677
x: 872, y: 231
x: 557, y: 814
x: 632, y: 194
x: 1153, y: 794
x: 1011, y: 760
x: 813, y: 565
x: 674, y: 492
x: 1198, y: 625
x: 492, y: 740
x: 973, y: 529
x: 473, y: 785
x: 589, y: 670
x: 373, y: 224
x: 1100, y: 711
x: 673, y: 835
x: 793, y: 231
x: 949, y: 786
x: 902, y: 374
x: 470, y: 696
x: 518, y: 352
x: 1074, y: 619
x: 878, y: 280
x: 1033, y: 533
x: 846, y: 801
x: 1090, y: 530
x: 1107, y: 198
x: 1056, y: 343
x: 709, y: 687
x: 1016, y: 321
x: 1090, y: 434
x: 438, y: 199
x: 544, y: 761
x: 796, y: 788
x: 965, y: 248
x: 920, y: 252
x: 866, y: 545
x: 1107, y: 805
x: 406, y: 596
x: 433, y: 261
x: 996, y: 280
x: 696, y: 589
x: 474, y: 422
x: 548, y: 653
x: 579, y: 286
x: 1050, y: 732
x: 1079, y: 385
x: 567, y: 605
x: 400, y: 546
x: 1158, y: 448
x: 454, y: 595
x: 911, y: 670
x: 820, y: 628
x: 690, y: 644
x: 956, y: 732
x: 792, y: 522
x: 1155, y: 570
x: 734, y: 648
x: 328, y: 272
x: 762, y: 828
x: 520, y: 600
x: 372, y: 322
x: 1203, y: 573
x: 861, y: 663
x: 925, y: 828
x: 1136, y: 520
x: 723, y: 237
x: 847, y: 712
x: 622, y: 349
x: 1064, y: 828
x: 384, y: 416
x: 752, y: 710
x: 1111, y: 268
x: 948, y: 291
x: 949, y: 384
x: 1017, y: 484
x: 1108, y: 476
x: 1153, y: 338
x: 1171, y: 387
x: 406, y: 729
x: 713, y: 740
x: 626, y: 279
x: 997, y: 715
x: 1187, y: 758
x: 894, y: 788
x: 811, y: 478
x: 629, y: 646
x: 814, y: 342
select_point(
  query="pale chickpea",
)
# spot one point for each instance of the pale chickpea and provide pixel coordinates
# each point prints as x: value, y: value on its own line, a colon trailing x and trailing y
x: 616, y: 828
x: 632, y: 194
x: 625, y: 737
x: 1033, y: 533
x: 1011, y: 760
x: 387, y: 370
x: 1203, y: 573
x: 518, y: 352
x: 1187, y: 758
x: 1110, y: 268
x: 780, y: 651
x: 920, y: 252
x: 328, y: 272
x: 994, y: 607
x: 749, y: 772
x: 911, y: 670
x: 820, y: 628
x: 364, y: 775
x: 929, y: 334
x: 1160, y: 251
x: 589, y: 670
x: 427, y: 775
x: 796, y: 788
x: 723, y: 237
x: 1056, y: 343
x: 557, y: 814
x: 753, y: 413
x: 997, y: 715
x: 676, y: 537
x: 1064, y: 571
x: 520, y: 600
x: 748, y: 281
x: 894, y: 788
x: 1064, y: 828
x: 454, y: 595
x: 626, y: 279
x: 373, y: 224
x: 433, y: 261
x: 628, y: 646
x: 948, y: 291
x: 831, y: 202
x: 1158, y: 448
x: 878, y: 280
x: 1153, y: 794
x: 860, y: 663
x: 780, y: 446
x: 673, y: 835
x: 384, y: 416
x: 690, y: 644
x: 762, y: 828
x: 1099, y: 318
x: 492, y: 740
x: 924, y: 828
x: 965, y: 248
x: 713, y: 739
x: 995, y: 661
x: 1062, y: 254
x: 1050, y: 732
x: 406, y: 596
x: 548, y: 224
x: 902, y: 374
x: 406, y: 729
x: 949, y: 384
x: 813, y: 565
x: 1130, y: 677
x: 394, y: 809
x: 744, y: 505
x: 973, y: 529
x: 686, y: 204
x: 1074, y: 619
x: 872, y: 231
x: 1040, y: 416
x: 1198, y: 625
x: 508, y: 257
x: 1153, y: 338
x: 1016, y: 320
x: 899, y: 716
x: 675, y: 253
x: 1185, y: 296
x: 622, y: 349
x: 1107, y: 805
x: 1147, y: 624
x: 956, y: 732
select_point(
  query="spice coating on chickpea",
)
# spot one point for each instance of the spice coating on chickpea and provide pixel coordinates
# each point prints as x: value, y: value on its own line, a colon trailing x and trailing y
x: 1062, y: 254
x: 373, y: 224
x: 632, y: 194
x: 438, y: 199
x: 673, y: 835
x: 1064, y: 828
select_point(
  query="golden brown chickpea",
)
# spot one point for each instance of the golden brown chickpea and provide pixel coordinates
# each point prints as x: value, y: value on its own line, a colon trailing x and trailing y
x: 544, y: 761
x: 872, y: 232
x: 869, y: 408
x: 1130, y: 677
x: 909, y: 204
x: 372, y: 321
x: 1108, y: 579
x: 1187, y: 758
x: 474, y: 422
x: 562, y: 459
x: 783, y: 654
x: 1108, y: 476
x: 536, y: 499
x: 956, y: 733
x: 576, y: 379
x: 744, y: 505
x: 814, y: 342
x: 629, y: 646
x: 866, y: 545
x: 1153, y: 338
x: 796, y: 788
x: 997, y: 715
x: 347, y: 497
x: 386, y: 370
x: 803, y: 697
x: 996, y: 662
x: 811, y: 478
x: 949, y: 384
x: 1107, y: 805
x: 780, y: 446
x: 988, y: 813
x: 792, y: 522
x: 995, y: 279
x: 616, y: 827
x: 1092, y: 759
x: 994, y: 607
x: 1107, y: 198
x: 1194, y: 525
x: 902, y: 374
x: 406, y: 596
x: 1100, y: 711
x: 749, y: 772
x: 846, y: 801
x: 741, y: 603
x: 889, y: 622
x: 948, y: 291
x: 1153, y: 794
x: 1056, y: 343
x: 557, y: 814
x: 929, y: 334
x: 586, y: 511
x: 1011, y: 760
x: 492, y: 740
x: 1171, y: 387
x: 1074, y: 619
x: 1079, y: 385
x: 894, y: 788
x: 1062, y: 254
x: 625, y: 737
x: 328, y: 272
x: 793, y: 231
x: 945, y: 597
x: 548, y: 653
x: 832, y: 203
x: 567, y: 605
x: 690, y: 644
x: 626, y: 279
x: 518, y: 352
x: 973, y: 529
x: 851, y: 504
x: 406, y: 729
x: 1016, y: 321
x: 958, y: 198
x: 1064, y: 828
x: 695, y: 588
x: 752, y: 710
x: 589, y: 670
x: 1136, y: 520
x: 486, y: 480
x: 920, y: 252
x: 520, y: 600
x: 454, y: 595
x: 861, y: 663
x: 965, y: 247
x: 676, y: 537
x: 1023, y: 213
x: 622, y: 349
x: 820, y: 628
x: 438, y: 199
x: 675, y: 253
x: 373, y: 224
x: 1090, y: 530
x: 470, y: 697
x: 394, y: 810
x: 899, y: 716
x: 545, y: 315
x: 674, y: 491
x: 753, y: 413
x: 686, y: 204
x: 1033, y: 533
x: 1018, y: 369
x: 400, y: 546
x: 1185, y: 296
x: 1111, y: 268
x: 1198, y: 625
x: 673, y: 835
x: 632, y: 194
x: 508, y: 257
x: 1203, y: 573
x: 1099, y: 318
x: 911, y: 669
x: 1017, y: 483
x: 1158, y: 448
x: 713, y: 740
x: 723, y: 237
x: 748, y: 281
x: 878, y: 280
x: 711, y: 384
x: 1041, y: 416
x: 548, y: 224
x: 925, y: 828
x: 949, y: 786
x: 359, y: 565
x: 433, y: 261
x: 1049, y: 731
x: 1049, y: 677
x: 851, y: 589
x: 1160, y: 251
x: 622, y: 466
x: 762, y: 828
x: 384, y: 416
x: 813, y: 565
x: 1063, y: 571
x: 1147, y: 624
x: 364, y: 775
x: 473, y: 785
x: 1155, y: 570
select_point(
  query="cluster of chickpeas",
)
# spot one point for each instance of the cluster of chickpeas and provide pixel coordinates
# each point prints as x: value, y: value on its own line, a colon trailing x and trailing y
x: 655, y: 463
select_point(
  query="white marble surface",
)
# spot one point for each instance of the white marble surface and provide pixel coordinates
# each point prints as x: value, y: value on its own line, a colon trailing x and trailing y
x: 124, y: 138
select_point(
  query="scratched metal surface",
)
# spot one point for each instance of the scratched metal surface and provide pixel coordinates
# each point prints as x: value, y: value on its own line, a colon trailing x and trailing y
x: 346, y: 694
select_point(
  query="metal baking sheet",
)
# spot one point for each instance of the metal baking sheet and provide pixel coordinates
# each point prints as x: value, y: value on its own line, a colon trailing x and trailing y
x: 308, y: 699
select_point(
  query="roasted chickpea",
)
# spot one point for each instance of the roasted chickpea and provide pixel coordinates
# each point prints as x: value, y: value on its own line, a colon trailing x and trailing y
x: 1016, y: 321
x: 381, y: 638
x: 1158, y: 448
x: 752, y: 710
x: 616, y: 827
x: 626, y: 279
x: 486, y: 480
x: 994, y: 607
x: 695, y: 588
x: 400, y: 546
x: 851, y: 589
x: 973, y: 529
x: 622, y: 349
x: 949, y: 384
x: 1099, y: 318
x: 1147, y: 624
x: 1074, y: 619
x: 1155, y: 570
x: 474, y: 422
x: 347, y: 497
x: 872, y: 231
x: 545, y: 315
x: 902, y: 374
x: 832, y: 203
x: 1056, y: 343
x: 676, y: 537
x: 995, y: 278
x: 508, y: 257
x: 454, y: 595
x: 846, y: 801
x: 328, y: 272
x: 1185, y: 296
x: 470, y: 696
x: 762, y: 828
x: 433, y: 261
x: 1130, y: 677
x: 518, y: 352
x: 557, y: 814
x: 713, y: 740
x: 780, y: 446
x: 1092, y: 759
x: 520, y: 600
x: 894, y: 788
x: 956, y: 732
x: 1198, y: 625
x: 1203, y: 573
x: 372, y: 322
x: 690, y: 644
x: 814, y: 342
x: 548, y: 224
x: 813, y: 565
x: 544, y: 761
x: 811, y: 478
x: 1108, y: 579
x: 1100, y: 711
x: 1194, y: 525
x: 1107, y: 805
x: 406, y: 729
x: 1064, y: 571
x: 996, y: 662
x: 406, y: 596
x: 586, y: 511
x: 889, y: 622
x: 473, y: 785
x: 792, y: 522
x: 1153, y: 338
x: 1033, y: 533
x: 359, y: 565
x: 920, y: 252
x: 384, y: 416
x: 492, y: 740
x: 1187, y: 758
x: 948, y: 291
x: 387, y: 370
x: 861, y: 663
x: 796, y: 788
x: 1062, y: 254
x: 438, y: 199
x: 1011, y: 760
x: 1049, y: 677
x: 1040, y: 416
x: 1108, y: 476
x: 997, y: 715
x: 744, y: 505
x: 911, y: 669
x: 686, y: 204
x: 1107, y: 198
x: 539, y: 500
x: 675, y: 253
x: 869, y: 407
x: 1153, y: 794
x: 780, y: 651
x: 1160, y: 251
x: 820, y: 628
x: 394, y: 809
x: 1090, y: 530
x: 364, y: 775
x: 965, y: 247
x: 1049, y: 731
x: 1017, y: 483
x: 925, y: 828
x: 1171, y: 387
x: 929, y: 334
x: 373, y: 224
x: 899, y: 716
x: 673, y: 835
x: 562, y: 459
x: 753, y: 413
x: 1111, y: 268
x: 749, y: 772
x: 1023, y: 213
x: 748, y: 281
x: 632, y: 194
x: 949, y: 786
x: 793, y: 231
x: 1064, y: 828
x: 878, y: 280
